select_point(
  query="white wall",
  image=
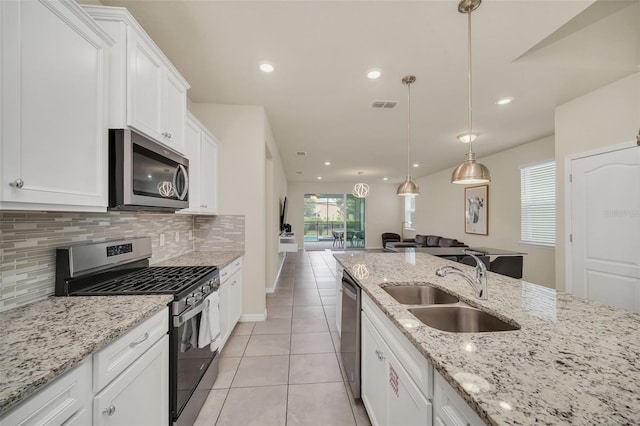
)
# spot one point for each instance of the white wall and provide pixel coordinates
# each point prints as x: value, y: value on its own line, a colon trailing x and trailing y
x: 605, y: 117
x: 276, y: 190
x: 383, y: 208
x: 242, y: 162
x: 440, y: 208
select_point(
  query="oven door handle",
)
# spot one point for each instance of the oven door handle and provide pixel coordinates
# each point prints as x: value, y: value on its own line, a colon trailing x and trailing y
x: 179, y: 320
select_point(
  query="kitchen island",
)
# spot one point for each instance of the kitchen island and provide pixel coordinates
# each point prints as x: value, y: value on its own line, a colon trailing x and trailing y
x: 572, y: 361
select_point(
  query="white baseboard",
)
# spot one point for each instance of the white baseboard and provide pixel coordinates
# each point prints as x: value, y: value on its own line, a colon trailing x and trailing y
x: 275, y: 282
x: 254, y: 317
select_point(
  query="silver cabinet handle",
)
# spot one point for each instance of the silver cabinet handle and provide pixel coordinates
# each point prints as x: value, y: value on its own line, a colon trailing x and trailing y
x: 18, y: 183
x: 237, y: 264
x: 380, y: 354
x: 134, y: 344
x: 169, y: 135
x: 109, y: 411
x: 234, y: 282
x: 224, y: 274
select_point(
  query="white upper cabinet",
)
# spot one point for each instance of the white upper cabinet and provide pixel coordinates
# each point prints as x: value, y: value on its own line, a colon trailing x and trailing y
x: 54, y: 107
x: 201, y: 149
x: 147, y: 92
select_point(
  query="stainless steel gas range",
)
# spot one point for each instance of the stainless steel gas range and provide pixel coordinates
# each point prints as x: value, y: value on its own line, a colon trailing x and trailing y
x: 122, y: 268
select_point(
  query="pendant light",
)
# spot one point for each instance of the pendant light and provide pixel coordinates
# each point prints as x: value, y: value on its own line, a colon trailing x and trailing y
x: 470, y: 172
x: 360, y: 190
x: 408, y: 187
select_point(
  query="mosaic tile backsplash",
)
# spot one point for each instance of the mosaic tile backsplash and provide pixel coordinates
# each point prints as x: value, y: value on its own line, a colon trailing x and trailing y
x: 28, y: 241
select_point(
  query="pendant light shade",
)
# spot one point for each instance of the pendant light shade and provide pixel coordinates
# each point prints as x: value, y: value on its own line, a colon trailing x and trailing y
x: 408, y: 187
x: 361, y: 190
x: 470, y: 172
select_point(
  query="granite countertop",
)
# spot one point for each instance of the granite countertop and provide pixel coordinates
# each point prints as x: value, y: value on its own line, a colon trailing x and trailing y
x: 203, y: 258
x: 573, y: 361
x: 43, y: 340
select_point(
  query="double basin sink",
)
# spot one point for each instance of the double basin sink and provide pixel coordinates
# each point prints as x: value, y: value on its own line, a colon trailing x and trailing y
x: 443, y: 311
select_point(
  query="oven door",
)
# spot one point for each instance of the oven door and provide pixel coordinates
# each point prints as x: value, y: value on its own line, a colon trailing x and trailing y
x: 192, y: 370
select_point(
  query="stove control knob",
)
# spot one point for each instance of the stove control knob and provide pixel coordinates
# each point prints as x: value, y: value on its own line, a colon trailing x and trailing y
x: 206, y: 289
x: 191, y: 300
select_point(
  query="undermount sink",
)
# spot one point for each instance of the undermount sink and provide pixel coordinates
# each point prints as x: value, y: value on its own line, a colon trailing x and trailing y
x: 419, y: 295
x: 460, y: 319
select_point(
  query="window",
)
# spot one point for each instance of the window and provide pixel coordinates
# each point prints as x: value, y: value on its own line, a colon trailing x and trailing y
x: 409, y: 212
x: 538, y: 204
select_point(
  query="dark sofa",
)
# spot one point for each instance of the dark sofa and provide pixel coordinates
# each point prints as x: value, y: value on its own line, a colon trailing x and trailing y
x: 423, y: 241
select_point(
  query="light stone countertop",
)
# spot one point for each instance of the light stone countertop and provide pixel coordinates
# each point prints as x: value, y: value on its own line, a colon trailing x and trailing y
x: 203, y: 258
x: 41, y: 341
x: 572, y: 362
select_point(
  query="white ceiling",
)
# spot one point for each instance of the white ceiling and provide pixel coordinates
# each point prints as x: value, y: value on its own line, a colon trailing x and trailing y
x: 543, y: 53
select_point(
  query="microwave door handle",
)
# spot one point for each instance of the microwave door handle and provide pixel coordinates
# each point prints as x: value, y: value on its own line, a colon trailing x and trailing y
x: 185, y: 191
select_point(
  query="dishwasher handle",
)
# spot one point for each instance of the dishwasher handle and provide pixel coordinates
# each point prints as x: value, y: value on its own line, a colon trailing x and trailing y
x: 349, y: 287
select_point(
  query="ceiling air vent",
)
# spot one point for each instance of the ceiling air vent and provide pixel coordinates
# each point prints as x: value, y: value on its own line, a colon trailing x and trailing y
x: 301, y: 153
x: 384, y: 104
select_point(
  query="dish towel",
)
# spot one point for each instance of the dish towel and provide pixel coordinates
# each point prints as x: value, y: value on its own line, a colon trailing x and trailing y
x: 209, y: 332
x: 189, y: 335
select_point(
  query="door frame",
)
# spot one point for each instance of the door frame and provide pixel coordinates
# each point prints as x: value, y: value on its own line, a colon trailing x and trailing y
x: 568, y: 287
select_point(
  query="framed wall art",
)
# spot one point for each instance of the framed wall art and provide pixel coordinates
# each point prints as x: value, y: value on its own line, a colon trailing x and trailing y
x: 476, y: 206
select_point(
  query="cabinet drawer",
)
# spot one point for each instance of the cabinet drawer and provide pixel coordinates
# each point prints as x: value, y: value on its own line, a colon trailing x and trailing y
x: 116, y: 357
x: 417, y: 366
x: 58, y: 402
x: 230, y: 269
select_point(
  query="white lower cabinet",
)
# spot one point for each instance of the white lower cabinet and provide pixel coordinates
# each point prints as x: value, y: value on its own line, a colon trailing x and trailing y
x: 138, y: 396
x: 230, y: 298
x: 225, y: 312
x: 449, y: 409
x: 389, y: 394
x: 126, y: 383
x: 67, y: 398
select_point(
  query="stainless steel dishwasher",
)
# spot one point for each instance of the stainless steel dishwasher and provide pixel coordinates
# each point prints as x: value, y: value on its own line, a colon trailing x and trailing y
x: 350, y: 331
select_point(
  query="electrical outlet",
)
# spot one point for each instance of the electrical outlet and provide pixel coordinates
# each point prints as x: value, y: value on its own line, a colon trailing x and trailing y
x: 190, y: 234
x: 177, y: 236
x: 161, y: 240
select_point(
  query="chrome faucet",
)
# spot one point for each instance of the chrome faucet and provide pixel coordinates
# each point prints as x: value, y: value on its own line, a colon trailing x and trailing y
x: 479, y: 283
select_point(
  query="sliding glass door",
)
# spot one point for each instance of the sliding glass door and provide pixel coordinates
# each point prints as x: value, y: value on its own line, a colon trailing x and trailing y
x: 334, y: 221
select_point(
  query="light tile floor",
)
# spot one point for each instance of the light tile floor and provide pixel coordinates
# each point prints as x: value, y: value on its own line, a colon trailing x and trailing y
x: 287, y: 369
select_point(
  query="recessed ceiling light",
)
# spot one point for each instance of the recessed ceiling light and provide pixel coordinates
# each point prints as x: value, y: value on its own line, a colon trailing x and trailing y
x: 266, y: 67
x: 416, y: 165
x: 385, y: 178
x: 464, y: 137
x: 319, y: 177
x: 504, y: 101
x: 374, y: 73
x: 327, y: 163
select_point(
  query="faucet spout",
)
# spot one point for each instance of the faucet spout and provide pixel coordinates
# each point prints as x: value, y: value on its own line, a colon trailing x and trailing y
x: 479, y: 283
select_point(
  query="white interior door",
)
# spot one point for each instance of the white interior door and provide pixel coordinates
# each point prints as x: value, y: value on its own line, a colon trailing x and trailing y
x: 605, y: 228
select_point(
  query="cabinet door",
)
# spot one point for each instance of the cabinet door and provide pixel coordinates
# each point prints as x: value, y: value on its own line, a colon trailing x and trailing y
x: 225, y: 312
x: 54, y: 108
x: 407, y: 405
x: 208, y: 175
x: 140, y: 395
x: 174, y: 113
x: 236, y: 298
x: 373, y: 369
x: 145, y: 81
x: 192, y: 134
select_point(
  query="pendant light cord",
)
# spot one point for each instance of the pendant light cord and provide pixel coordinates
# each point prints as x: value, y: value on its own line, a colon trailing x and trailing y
x: 408, y: 131
x: 470, y: 92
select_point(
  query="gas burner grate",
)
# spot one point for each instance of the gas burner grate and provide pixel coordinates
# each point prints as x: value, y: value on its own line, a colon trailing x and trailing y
x: 152, y: 280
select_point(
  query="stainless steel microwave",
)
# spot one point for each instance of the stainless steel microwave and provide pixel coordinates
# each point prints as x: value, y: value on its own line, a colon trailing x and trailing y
x: 144, y: 175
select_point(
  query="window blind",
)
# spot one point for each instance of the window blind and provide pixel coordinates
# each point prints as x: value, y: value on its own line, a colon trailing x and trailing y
x: 538, y: 204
